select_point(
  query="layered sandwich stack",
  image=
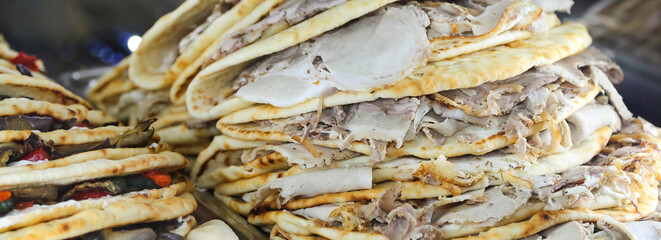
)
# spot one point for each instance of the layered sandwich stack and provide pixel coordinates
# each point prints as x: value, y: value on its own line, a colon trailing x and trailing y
x: 427, y: 120
x: 153, y: 81
x: 67, y: 171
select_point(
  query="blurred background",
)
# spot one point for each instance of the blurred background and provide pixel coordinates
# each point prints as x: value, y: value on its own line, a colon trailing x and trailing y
x: 80, y: 39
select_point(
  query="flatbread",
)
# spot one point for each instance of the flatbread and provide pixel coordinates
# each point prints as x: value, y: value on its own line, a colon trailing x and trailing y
x: 410, y: 190
x: 578, y: 155
x: 23, y: 106
x: 512, y: 227
x: 217, y: 152
x: 38, y: 89
x: 66, y: 137
x: 159, y: 42
x: 240, y: 207
x: 107, y: 153
x: 117, y: 214
x: 93, y: 169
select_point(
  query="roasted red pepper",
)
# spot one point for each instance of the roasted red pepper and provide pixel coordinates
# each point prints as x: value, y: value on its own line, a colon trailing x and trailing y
x: 23, y: 205
x: 37, y: 155
x: 81, y: 125
x: 29, y: 61
x: 161, y: 179
x: 88, y: 195
x: 4, y: 195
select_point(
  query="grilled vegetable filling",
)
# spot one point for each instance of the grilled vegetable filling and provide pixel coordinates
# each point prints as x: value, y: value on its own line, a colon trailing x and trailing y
x: 50, y: 194
x: 34, y: 149
x: 40, y: 123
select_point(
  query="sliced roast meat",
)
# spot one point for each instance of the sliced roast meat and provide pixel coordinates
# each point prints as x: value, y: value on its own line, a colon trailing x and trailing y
x: 566, y: 231
x: 502, y: 201
x: 385, y: 119
x: 423, y: 108
x: 497, y: 98
x: 570, y: 68
x: 457, y: 114
x: 299, y: 155
x: 592, y: 64
x: 313, y: 183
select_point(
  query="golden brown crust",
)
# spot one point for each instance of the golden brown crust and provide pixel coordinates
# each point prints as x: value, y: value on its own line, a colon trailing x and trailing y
x: 66, y: 137
x: 38, y: 89
x: 117, y: 214
x: 93, y: 169
x: 32, y: 216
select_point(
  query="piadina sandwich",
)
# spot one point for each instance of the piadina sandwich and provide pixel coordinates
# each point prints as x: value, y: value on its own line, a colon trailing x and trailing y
x: 355, y: 47
x: 574, y: 174
x: 487, y: 114
x: 521, y: 139
x: 67, y: 171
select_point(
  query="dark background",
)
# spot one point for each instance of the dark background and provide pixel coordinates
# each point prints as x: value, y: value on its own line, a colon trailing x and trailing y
x: 73, y: 34
x: 76, y: 38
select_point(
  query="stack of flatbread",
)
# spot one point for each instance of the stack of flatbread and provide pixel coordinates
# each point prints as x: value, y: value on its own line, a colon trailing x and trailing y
x: 425, y: 120
x: 67, y: 171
